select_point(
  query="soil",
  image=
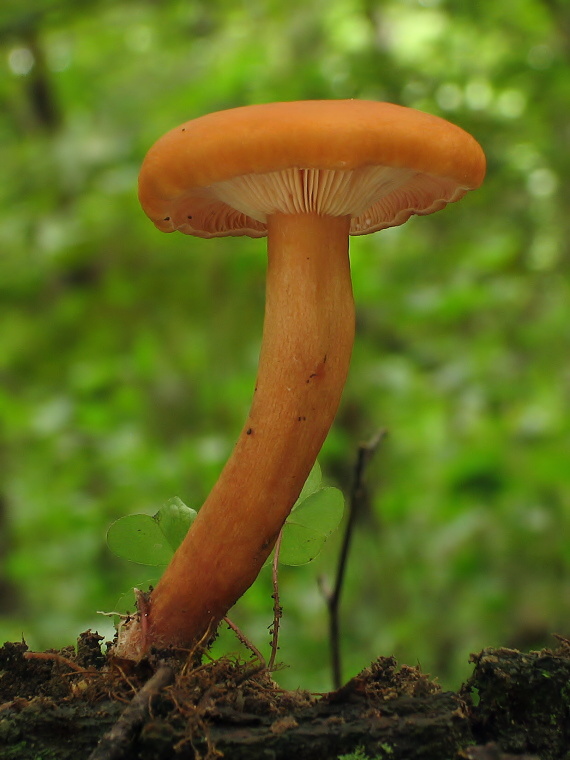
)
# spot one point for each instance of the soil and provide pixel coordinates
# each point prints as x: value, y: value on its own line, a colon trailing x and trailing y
x: 82, y: 703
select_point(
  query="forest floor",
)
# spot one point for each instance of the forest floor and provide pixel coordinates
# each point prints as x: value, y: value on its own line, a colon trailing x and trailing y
x: 79, y: 702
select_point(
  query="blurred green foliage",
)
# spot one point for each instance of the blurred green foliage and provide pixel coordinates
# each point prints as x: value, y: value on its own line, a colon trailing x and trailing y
x: 127, y: 357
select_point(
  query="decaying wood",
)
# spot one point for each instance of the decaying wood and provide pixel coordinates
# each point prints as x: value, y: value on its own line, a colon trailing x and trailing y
x: 115, y: 744
x: 513, y: 706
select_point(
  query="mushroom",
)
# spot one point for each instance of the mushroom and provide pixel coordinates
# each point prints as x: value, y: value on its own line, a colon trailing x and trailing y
x: 306, y: 175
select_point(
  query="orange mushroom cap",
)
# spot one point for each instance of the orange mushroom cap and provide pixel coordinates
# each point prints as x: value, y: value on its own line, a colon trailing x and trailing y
x: 224, y: 173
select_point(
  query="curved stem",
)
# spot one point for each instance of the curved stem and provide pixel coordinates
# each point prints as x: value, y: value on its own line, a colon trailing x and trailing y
x: 308, y: 335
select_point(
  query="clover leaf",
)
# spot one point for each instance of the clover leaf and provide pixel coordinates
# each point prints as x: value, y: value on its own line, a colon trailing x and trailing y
x: 151, y: 540
x: 310, y: 523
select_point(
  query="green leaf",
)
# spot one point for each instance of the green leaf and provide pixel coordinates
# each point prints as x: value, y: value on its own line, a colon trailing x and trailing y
x: 151, y: 540
x: 321, y: 511
x: 299, y: 545
x: 309, y: 525
x: 174, y: 519
x: 312, y: 483
x: 138, y: 538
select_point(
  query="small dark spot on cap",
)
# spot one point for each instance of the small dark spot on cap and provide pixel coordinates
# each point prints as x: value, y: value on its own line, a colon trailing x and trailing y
x: 249, y: 431
x: 166, y: 219
x: 189, y: 217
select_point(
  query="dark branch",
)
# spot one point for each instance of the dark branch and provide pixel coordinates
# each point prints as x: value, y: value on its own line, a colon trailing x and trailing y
x: 357, y: 497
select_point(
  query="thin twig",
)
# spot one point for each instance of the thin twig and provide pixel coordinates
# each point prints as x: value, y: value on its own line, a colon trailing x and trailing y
x: 242, y: 638
x: 277, y: 608
x: 332, y: 597
x: 115, y: 744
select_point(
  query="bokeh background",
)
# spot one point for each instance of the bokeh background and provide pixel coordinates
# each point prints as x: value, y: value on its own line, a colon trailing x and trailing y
x: 128, y: 357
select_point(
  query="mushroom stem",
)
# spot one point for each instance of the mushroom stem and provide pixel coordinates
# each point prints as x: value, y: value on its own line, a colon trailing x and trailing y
x: 308, y: 336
